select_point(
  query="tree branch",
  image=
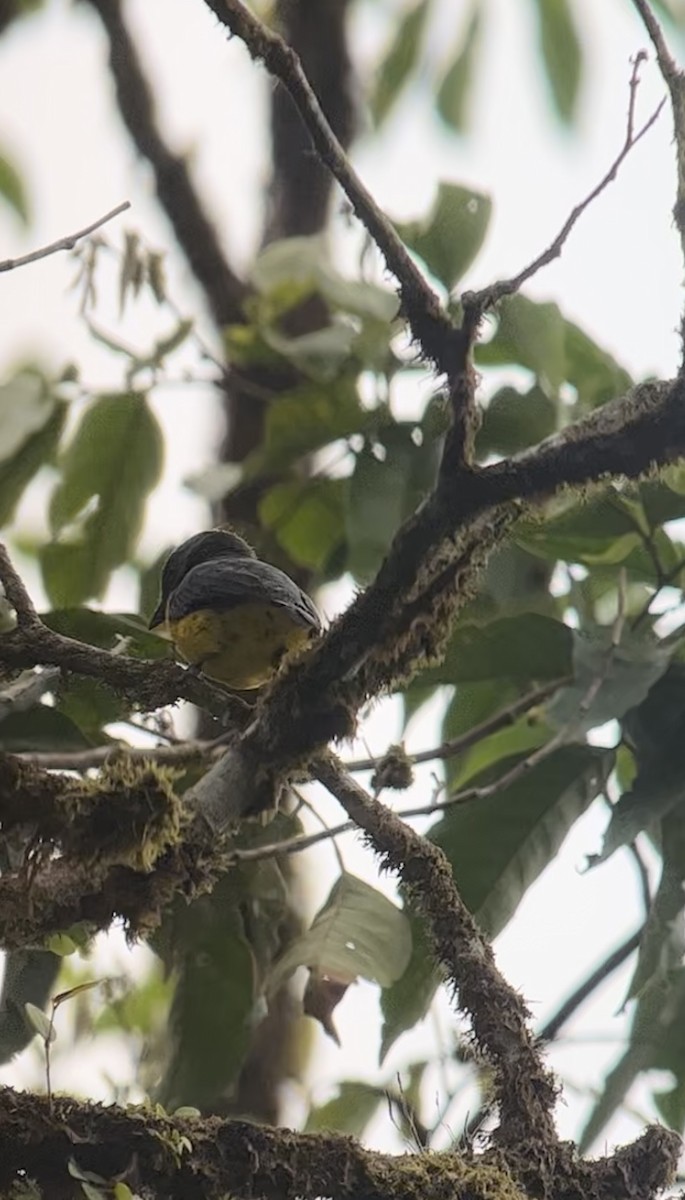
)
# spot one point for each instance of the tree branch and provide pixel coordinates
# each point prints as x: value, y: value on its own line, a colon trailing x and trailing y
x: 429, y: 324
x: 65, y: 243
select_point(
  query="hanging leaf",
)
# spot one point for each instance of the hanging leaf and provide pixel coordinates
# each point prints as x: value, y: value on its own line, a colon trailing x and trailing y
x: 455, y: 89
x: 357, y: 932
x: 12, y: 188
x: 392, y: 474
x: 400, y: 60
x: 111, y: 465
x: 528, y: 646
x: 561, y: 53
x: 449, y: 238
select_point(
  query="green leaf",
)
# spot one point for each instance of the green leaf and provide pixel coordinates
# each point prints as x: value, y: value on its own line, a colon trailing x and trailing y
x: 592, y: 371
x: 654, y: 731
x: 113, y: 462
x: 40, y: 1022
x: 449, y: 238
x: 528, y: 646
x: 36, y: 449
x: 392, y: 475
x: 497, y: 847
x: 213, y: 1004
x: 349, y: 1112
x: 13, y: 191
x: 530, y: 334
x: 663, y: 939
x: 604, y: 531
x: 297, y: 266
x: 307, y: 518
x: 562, y: 54
x: 26, y: 406
x: 656, y: 1042
x: 608, y: 679
x: 400, y: 60
x: 306, y: 418
x: 41, y: 728
x: 455, y: 88
x: 514, y: 420
x: 357, y: 932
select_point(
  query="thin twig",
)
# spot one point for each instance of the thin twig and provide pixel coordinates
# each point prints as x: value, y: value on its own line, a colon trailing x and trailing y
x: 65, y: 243
x: 500, y: 720
x: 551, y: 1028
x: 477, y: 303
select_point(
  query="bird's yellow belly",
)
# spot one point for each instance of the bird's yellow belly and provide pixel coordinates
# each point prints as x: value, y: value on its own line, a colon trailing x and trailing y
x: 242, y: 646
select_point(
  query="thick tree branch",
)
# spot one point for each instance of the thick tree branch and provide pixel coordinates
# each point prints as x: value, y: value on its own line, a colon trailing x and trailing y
x: 194, y: 231
x: 438, y: 340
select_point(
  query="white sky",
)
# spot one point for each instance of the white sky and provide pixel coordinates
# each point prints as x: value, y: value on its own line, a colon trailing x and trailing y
x: 620, y: 277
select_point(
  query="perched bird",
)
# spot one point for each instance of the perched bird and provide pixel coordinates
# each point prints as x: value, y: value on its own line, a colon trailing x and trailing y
x: 230, y: 615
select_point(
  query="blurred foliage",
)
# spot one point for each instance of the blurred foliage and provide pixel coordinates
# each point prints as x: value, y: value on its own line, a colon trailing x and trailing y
x: 343, y: 461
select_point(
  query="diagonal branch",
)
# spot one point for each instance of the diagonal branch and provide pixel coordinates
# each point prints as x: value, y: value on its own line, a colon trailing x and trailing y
x: 430, y: 325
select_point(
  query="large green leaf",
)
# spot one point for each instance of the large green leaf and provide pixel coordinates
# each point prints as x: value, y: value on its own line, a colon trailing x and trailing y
x: 654, y: 731
x: 561, y: 53
x: 348, y: 1112
x: 41, y: 728
x: 307, y: 518
x: 31, y: 424
x: 514, y: 420
x: 608, y: 679
x: 392, y: 475
x: 531, y: 334
x: 12, y: 189
x: 528, y: 646
x: 112, y: 463
x: 657, y: 1041
x: 455, y: 89
x: 497, y: 847
x: 107, y: 630
x: 400, y: 60
x: 602, y: 531
x: 663, y: 939
x: 449, y: 237
x: 306, y: 418
x: 357, y: 932
x: 592, y: 371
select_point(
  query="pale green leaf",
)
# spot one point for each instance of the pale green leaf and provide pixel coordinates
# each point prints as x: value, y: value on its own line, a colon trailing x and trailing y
x: 357, y: 932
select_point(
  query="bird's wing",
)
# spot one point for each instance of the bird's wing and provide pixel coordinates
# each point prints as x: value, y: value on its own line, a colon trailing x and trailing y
x: 225, y: 583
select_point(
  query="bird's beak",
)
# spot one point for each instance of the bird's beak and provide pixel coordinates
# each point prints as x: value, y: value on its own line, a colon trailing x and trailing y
x: 158, y: 619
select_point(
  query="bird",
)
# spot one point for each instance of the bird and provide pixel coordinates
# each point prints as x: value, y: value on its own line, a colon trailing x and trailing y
x: 230, y: 615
